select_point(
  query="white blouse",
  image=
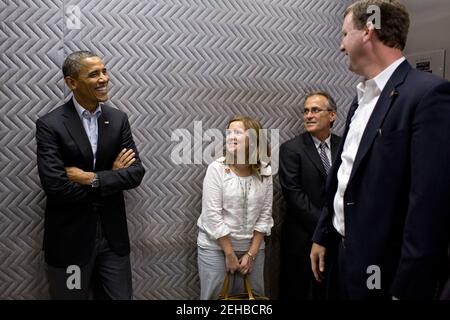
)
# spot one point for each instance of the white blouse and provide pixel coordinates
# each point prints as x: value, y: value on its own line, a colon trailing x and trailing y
x: 234, y: 206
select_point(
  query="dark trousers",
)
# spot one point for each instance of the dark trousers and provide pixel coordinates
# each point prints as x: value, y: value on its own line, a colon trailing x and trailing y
x: 106, y: 276
x: 297, y: 281
x: 445, y: 293
x: 336, y: 286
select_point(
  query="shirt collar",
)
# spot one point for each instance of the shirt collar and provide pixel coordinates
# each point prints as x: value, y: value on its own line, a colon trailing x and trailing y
x: 378, y: 83
x: 317, y: 142
x: 81, y: 110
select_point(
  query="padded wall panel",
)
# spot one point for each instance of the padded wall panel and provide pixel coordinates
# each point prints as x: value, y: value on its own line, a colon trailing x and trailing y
x: 171, y: 63
x: 30, y: 85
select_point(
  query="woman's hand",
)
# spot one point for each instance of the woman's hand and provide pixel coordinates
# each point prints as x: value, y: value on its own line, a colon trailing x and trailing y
x: 231, y: 262
x: 246, y: 264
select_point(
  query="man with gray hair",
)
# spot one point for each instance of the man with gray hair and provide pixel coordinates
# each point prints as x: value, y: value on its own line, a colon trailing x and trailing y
x: 86, y: 157
x: 386, y: 230
x: 305, y: 162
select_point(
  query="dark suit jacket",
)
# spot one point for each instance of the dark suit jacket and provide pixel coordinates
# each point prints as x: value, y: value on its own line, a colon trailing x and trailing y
x: 302, y: 178
x: 396, y: 211
x: 72, y: 210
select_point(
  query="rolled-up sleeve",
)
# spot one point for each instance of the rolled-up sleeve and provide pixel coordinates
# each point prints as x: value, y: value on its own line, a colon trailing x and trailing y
x: 264, y: 223
x: 211, y: 220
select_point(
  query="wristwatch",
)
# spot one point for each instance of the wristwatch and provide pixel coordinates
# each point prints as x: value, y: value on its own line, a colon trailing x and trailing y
x: 95, y: 183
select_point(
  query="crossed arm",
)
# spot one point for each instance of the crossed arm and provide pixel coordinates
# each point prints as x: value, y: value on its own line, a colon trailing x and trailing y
x: 69, y: 184
x: 123, y: 160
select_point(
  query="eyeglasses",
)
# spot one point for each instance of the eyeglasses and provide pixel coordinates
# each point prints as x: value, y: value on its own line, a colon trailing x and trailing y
x: 314, y: 110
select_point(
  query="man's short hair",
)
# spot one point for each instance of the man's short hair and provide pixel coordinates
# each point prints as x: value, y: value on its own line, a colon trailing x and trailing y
x: 72, y: 65
x: 394, y: 24
x: 331, y: 103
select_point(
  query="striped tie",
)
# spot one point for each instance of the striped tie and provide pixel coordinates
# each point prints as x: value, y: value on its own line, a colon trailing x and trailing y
x: 324, y: 157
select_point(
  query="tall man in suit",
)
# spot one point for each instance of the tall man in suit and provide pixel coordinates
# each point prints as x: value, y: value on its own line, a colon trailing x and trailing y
x: 86, y: 157
x: 387, y: 225
x: 304, y: 162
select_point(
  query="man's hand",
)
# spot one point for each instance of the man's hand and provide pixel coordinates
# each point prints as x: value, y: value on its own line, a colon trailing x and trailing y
x: 317, y: 257
x: 124, y: 159
x: 79, y: 176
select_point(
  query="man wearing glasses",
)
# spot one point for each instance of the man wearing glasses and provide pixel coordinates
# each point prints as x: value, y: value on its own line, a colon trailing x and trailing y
x: 304, y: 164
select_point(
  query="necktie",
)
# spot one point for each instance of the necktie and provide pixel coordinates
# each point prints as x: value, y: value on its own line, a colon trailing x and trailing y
x: 324, y: 157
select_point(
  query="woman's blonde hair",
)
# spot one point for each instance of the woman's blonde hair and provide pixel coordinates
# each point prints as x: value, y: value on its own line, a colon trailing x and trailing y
x: 260, y: 154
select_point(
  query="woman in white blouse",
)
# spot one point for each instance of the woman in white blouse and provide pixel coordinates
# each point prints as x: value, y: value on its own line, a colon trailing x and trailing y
x: 236, y: 211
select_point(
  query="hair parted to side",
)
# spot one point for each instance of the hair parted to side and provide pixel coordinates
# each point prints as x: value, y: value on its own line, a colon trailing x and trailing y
x: 72, y: 65
x: 331, y: 103
x: 260, y: 152
x: 394, y: 20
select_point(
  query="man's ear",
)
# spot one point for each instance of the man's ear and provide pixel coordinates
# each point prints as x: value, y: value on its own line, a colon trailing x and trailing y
x: 71, y: 82
x: 369, y: 31
x: 333, y: 116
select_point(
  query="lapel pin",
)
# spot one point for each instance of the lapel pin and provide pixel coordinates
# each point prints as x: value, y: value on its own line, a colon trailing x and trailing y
x: 393, y: 93
x: 106, y: 122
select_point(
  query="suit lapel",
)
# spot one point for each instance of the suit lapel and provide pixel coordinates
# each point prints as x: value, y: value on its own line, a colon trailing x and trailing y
x: 350, y: 114
x: 312, y: 154
x: 332, y: 175
x: 103, y: 126
x: 334, y: 148
x: 379, y: 113
x: 75, y: 128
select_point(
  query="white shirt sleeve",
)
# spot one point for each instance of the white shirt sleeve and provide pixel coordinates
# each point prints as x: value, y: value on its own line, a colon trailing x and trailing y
x: 211, y: 220
x: 264, y: 223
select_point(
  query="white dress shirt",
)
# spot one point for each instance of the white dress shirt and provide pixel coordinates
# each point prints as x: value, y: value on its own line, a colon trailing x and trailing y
x: 368, y: 94
x: 224, y: 211
x: 90, y: 124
